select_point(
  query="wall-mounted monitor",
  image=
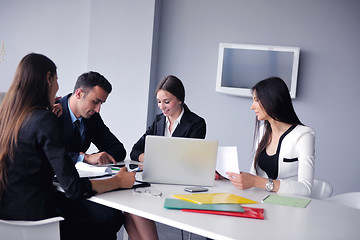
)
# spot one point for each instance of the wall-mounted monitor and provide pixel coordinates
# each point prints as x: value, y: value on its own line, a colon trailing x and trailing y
x: 241, y: 66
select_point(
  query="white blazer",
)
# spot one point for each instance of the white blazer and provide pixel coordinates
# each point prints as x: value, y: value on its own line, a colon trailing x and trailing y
x: 296, y: 162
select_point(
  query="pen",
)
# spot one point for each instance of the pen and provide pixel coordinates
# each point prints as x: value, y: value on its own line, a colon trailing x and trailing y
x: 135, y: 169
x: 266, y: 198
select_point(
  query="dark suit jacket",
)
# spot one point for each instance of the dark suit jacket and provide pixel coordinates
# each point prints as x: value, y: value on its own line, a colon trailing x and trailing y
x: 191, y: 126
x: 95, y: 132
x: 39, y: 154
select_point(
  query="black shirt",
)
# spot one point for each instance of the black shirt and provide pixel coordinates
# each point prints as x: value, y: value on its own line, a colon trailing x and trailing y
x: 270, y: 164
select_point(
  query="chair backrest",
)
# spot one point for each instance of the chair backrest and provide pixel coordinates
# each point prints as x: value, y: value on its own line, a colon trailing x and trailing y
x: 47, y: 229
x: 351, y: 199
x: 321, y: 189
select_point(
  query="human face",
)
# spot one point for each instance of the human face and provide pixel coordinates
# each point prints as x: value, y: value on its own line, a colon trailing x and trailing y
x: 258, y: 109
x: 90, y: 102
x: 53, y: 87
x: 169, y: 104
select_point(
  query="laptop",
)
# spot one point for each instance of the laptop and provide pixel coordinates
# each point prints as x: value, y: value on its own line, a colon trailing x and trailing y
x: 183, y: 161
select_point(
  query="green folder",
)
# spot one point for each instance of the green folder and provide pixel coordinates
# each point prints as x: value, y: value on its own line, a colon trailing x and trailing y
x: 172, y: 203
x: 287, y: 201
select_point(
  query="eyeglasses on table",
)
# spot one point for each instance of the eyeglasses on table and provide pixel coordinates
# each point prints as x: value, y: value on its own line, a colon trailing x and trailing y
x: 152, y: 192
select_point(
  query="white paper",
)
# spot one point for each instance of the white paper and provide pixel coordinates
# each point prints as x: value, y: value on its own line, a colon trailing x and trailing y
x: 88, y: 170
x: 227, y: 161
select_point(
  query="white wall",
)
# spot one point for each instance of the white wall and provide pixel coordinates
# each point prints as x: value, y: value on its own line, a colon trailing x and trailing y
x: 328, y: 34
x: 120, y: 47
x: 113, y: 37
x: 60, y: 30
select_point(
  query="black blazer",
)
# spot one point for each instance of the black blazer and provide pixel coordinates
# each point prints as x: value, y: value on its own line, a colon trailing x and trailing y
x: 95, y: 132
x: 191, y: 126
x: 39, y: 154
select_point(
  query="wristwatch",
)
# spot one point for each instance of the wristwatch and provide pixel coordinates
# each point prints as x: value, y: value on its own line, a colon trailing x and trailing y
x: 269, y: 185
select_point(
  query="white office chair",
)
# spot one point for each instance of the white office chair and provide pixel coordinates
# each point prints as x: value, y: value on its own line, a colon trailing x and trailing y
x: 351, y: 199
x: 47, y: 229
x: 321, y: 189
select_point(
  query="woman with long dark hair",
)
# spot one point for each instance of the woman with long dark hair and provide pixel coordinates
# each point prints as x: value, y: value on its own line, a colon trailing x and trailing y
x: 32, y: 151
x: 285, y: 148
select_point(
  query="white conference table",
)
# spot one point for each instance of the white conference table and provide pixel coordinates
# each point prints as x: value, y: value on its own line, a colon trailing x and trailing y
x: 319, y: 220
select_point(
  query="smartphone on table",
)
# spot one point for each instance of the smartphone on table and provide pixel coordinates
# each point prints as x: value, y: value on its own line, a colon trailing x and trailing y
x: 196, y: 189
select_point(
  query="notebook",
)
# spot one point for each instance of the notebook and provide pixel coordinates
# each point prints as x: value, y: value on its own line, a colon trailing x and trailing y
x: 184, y: 161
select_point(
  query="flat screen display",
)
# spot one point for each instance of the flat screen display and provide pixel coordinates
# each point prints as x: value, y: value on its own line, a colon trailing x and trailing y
x: 241, y: 66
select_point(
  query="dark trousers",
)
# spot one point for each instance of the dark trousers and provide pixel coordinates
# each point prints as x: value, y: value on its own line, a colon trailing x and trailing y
x: 87, y: 220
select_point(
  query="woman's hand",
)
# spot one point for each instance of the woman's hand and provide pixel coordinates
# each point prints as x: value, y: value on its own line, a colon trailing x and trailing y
x: 141, y: 158
x: 218, y: 176
x: 122, y: 179
x: 242, y: 180
x: 57, y: 109
x: 126, y: 178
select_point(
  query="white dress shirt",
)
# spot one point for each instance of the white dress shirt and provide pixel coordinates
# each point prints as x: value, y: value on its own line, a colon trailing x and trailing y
x: 167, y: 132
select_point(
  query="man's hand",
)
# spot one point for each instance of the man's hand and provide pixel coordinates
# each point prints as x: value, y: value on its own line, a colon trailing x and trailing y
x: 99, y: 158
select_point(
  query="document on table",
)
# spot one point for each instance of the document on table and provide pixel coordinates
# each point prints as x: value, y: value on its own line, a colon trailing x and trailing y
x: 227, y: 161
x: 88, y: 170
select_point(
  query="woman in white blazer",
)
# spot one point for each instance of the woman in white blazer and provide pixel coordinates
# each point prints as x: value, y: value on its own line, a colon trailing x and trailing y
x: 285, y: 148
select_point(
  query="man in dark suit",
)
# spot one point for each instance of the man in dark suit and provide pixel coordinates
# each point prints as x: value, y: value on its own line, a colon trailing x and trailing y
x: 81, y: 125
x: 90, y: 91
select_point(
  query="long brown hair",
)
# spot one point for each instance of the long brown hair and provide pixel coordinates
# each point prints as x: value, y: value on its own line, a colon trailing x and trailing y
x: 29, y: 90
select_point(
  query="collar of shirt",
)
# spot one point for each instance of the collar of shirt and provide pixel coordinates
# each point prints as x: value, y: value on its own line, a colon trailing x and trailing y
x: 74, y: 118
x: 176, y: 123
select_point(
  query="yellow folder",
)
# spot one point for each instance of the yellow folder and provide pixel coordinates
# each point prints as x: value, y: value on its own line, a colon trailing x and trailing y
x: 213, y: 198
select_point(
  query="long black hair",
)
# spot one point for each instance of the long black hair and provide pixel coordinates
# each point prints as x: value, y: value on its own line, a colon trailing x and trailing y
x: 274, y: 97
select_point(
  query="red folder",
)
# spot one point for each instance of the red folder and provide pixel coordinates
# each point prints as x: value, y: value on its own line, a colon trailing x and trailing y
x: 257, y: 213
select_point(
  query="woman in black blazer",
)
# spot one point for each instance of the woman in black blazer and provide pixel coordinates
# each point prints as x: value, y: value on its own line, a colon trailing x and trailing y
x: 176, y: 119
x: 32, y: 152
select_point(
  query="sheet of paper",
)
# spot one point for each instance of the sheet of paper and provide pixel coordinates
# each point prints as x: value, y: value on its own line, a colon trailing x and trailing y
x: 87, y: 170
x: 227, y: 161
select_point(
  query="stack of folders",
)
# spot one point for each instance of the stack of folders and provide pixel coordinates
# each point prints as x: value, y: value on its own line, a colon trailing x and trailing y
x: 214, y: 203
